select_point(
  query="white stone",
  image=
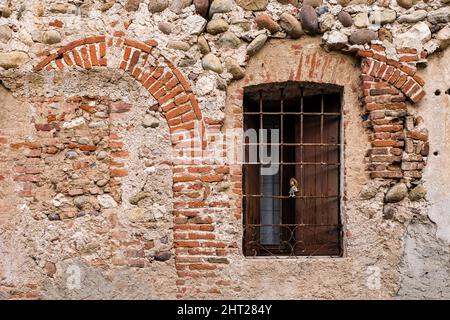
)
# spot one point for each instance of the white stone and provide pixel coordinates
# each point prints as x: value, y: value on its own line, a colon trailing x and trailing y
x: 211, y: 62
x: 361, y: 20
x: 205, y: 84
x: 149, y: 170
x: 194, y: 24
x: 414, y: 37
x: 73, y: 123
x: 335, y: 40
x: 106, y: 201
x: 59, y: 200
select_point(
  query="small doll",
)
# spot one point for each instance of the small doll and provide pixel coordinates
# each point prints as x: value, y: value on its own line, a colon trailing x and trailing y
x: 294, y: 187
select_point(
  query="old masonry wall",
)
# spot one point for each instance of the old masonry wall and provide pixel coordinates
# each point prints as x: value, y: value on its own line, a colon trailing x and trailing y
x: 114, y: 181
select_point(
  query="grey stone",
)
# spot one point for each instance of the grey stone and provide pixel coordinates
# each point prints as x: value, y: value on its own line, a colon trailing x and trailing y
x: 322, y: 10
x: 441, y: 15
x: 291, y: 25
x: 102, y: 155
x: 203, y: 45
x: 51, y: 37
x: 106, y: 201
x: 211, y: 62
x: 256, y: 44
x: 229, y: 40
x: 158, y: 5
x: 101, y: 183
x: 220, y: 6
x: 80, y: 201
x: 234, y: 68
x: 345, y: 19
x: 363, y: 36
x: 413, y: 17
x: 218, y: 260
x: 163, y: 256
x: 396, y: 193
x: 368, y: 192
x: 217, y: 26
x: 5, y: 33
x: 253, y: 5
x: 178, y: 45
x: 71, y: 154
x: 165, y: 27
x: 132, y: 5
x: 150, y: 121
x: 383, y: 17
x: 138, y: 197
x: 201, y: 7
x: 53, y: 216
x: 417, y: 193
x: 389, y: 212
x: 221, y: 84
x: 83, y: 140
x: 177, y: 6
x: 308, y: 17
x: 194, y: 24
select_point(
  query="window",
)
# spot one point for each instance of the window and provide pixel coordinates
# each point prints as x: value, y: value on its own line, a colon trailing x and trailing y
x: 300, y: 139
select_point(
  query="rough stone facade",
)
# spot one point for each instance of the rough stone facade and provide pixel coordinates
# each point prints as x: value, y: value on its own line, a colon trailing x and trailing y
x: 115, y: 178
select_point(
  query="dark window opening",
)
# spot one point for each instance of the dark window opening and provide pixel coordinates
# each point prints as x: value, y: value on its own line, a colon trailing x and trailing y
x: 308, y: 119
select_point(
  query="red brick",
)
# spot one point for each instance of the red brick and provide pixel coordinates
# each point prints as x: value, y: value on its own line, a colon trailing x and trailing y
x: 93, y: 55
x: 56, y: 23
x: 85, y: 57
x: 77, y: 58
x: 87, y: 148
x: 119, y: 173
x: 138, y: 45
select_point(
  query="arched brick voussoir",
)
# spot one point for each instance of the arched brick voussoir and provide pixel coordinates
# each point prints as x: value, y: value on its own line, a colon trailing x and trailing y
x: 157, y: 74
x: 400, y: 74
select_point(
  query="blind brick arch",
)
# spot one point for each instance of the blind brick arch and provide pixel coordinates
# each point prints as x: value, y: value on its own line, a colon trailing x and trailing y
x: 199, y: 255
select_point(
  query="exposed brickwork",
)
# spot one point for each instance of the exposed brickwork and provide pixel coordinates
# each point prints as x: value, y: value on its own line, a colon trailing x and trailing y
x: 199, y: 254
x: 399, y: 148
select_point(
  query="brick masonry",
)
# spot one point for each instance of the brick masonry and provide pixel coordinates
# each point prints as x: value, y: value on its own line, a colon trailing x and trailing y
x: 398, y: 145
x: 399, y: 141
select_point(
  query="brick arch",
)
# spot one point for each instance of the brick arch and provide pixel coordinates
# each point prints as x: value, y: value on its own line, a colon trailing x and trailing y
x: 199, y: 253
x: 158, y: 75
x: 399, y: 74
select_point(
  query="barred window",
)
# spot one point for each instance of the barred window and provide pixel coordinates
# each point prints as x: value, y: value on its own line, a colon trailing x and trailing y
x: 291, y: 170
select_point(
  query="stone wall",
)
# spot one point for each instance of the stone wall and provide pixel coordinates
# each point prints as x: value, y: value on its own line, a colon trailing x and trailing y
x: 114, y: 118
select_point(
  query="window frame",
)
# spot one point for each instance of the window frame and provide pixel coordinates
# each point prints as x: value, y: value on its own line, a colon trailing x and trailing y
x: 340, y: 171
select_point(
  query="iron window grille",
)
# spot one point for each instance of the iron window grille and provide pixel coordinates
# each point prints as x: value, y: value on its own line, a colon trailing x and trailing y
x: 308, y: 118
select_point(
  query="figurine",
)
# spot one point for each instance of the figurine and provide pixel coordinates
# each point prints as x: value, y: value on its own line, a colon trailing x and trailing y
x: 294, y: 187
